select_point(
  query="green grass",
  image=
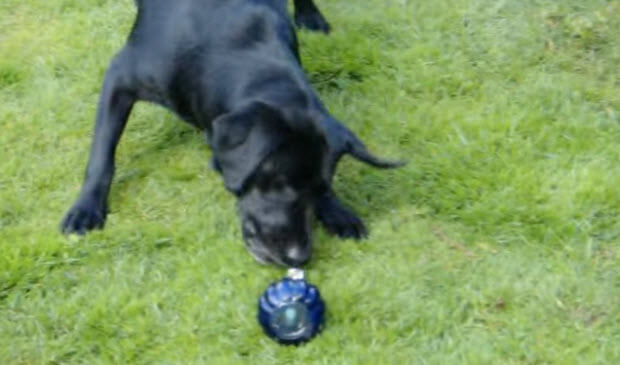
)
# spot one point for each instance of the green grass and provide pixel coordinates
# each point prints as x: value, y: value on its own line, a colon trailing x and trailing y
x: 498, y: 243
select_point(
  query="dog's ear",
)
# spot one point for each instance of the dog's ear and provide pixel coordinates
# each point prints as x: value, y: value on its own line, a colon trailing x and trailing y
x: 243, y: 139
x: 356, y: 148
x: 343, y: 141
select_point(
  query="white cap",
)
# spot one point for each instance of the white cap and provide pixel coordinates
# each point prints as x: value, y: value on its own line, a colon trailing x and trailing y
x: 296, y: 274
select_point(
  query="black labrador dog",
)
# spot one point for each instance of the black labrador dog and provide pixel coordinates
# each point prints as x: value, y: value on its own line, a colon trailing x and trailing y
x: 232, y: 69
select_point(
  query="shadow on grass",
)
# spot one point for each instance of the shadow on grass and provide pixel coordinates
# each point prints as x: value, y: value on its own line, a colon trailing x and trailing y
x: 155, y: 145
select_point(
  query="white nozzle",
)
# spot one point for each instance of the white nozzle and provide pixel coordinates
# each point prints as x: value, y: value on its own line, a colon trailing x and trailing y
x: 296, y: 274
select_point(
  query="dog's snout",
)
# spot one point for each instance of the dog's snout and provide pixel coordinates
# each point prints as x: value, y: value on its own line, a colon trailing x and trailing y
x: 296, y: 256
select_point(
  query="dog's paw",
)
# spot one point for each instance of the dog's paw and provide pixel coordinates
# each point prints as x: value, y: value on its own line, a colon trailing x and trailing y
x: 312, y: 20
x: 83, y: 217
x: 339, y: 220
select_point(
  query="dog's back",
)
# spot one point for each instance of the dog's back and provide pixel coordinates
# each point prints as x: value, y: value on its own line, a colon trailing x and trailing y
x: 176, y: 44
x: 188, y: 23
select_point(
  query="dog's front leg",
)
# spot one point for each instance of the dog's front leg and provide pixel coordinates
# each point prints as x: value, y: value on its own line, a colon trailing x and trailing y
x: 337, y: 219
x: 115, y: 103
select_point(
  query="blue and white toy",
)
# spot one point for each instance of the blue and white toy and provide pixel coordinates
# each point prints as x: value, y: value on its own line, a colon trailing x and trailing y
x: 291, y: 310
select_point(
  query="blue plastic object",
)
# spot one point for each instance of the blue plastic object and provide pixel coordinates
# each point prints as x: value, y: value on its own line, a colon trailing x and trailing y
x: 291, y: 310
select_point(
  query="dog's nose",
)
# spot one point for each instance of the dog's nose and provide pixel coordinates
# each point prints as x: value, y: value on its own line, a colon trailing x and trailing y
x: 296, y: 257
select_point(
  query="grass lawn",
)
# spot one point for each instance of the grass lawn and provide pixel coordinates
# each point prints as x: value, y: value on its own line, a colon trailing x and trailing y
x: 498, y: 243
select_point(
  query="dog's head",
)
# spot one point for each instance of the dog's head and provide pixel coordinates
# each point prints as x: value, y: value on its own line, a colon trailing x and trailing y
x: 277, y: 162
x: 274, y: 162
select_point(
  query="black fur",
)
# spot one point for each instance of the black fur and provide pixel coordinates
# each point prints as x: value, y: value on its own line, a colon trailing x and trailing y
x: 231, y: 68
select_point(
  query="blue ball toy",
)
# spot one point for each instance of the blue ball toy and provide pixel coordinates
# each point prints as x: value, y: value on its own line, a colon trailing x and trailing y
x: 291, y: 310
